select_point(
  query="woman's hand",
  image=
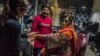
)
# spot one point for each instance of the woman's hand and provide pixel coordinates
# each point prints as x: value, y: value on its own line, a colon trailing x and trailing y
x: 32, y: 34
x: 31, y: 37
x: 53, y: 34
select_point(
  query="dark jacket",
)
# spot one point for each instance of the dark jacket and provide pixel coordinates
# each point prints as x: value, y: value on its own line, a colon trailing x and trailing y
x: 97, y: 40
x: 11, y: 34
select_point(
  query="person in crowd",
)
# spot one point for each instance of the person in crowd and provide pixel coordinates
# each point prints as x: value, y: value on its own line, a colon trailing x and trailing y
x: 25, y: 48
x: 42, y: 24
x: 11, y: 30
x: 69, y: 30
x: 3, y: 11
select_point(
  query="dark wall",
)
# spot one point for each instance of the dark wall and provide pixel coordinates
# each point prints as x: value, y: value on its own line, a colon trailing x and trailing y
x: 87, y: 3
x: 75, y: 3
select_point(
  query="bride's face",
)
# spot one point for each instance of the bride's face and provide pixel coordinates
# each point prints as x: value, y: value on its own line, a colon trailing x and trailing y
x: 65, y: 22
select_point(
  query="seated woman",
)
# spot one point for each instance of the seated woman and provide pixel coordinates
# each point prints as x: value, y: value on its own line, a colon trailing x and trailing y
x: 67, y: 29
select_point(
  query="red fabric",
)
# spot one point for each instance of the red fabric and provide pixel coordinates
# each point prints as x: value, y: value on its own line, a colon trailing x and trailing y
x: 42, y: 25
x: 69, y: 31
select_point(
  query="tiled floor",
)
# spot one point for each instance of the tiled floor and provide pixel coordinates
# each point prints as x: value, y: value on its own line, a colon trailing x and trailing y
x: 89, y: 52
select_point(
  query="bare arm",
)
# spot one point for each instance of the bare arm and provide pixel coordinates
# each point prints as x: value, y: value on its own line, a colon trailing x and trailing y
x: 35, y: 35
